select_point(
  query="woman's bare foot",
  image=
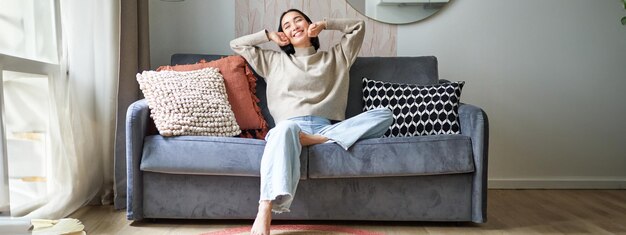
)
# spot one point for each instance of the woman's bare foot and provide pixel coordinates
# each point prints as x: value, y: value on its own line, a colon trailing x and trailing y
x: 263, y: 219
x: 306, y: 139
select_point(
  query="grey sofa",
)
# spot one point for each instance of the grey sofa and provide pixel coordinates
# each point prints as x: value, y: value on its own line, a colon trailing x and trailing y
x: 427, y: 178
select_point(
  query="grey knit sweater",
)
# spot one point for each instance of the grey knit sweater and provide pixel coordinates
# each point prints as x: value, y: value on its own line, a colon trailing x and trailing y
x: 308, y: 82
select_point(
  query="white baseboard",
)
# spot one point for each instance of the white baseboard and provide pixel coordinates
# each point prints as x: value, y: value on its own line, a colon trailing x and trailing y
x: 560, y: 183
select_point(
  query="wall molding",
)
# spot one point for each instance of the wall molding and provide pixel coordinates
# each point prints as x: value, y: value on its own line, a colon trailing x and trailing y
x: 557, y: 183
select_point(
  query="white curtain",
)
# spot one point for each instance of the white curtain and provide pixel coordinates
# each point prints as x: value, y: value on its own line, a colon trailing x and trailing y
x: 83, y: 109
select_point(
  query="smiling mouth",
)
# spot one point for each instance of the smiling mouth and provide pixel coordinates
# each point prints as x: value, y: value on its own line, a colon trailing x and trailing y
x: 297, y: 34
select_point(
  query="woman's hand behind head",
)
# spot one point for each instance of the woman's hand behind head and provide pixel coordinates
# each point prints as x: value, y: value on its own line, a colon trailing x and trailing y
x: 279, y: 38
x: 315, y: 28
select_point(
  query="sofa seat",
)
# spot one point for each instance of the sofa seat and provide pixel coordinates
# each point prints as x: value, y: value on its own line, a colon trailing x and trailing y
x: 203, y: 155
x: 427, y: 155
x: 380, y: 157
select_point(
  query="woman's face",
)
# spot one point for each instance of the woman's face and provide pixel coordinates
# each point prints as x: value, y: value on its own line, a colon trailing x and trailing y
x: 296, y: 28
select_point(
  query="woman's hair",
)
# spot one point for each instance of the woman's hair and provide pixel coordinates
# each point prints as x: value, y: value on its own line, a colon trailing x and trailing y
x: 315, y: 41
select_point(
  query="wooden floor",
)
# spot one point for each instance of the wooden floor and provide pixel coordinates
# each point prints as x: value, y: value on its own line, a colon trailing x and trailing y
x: 509, y: 212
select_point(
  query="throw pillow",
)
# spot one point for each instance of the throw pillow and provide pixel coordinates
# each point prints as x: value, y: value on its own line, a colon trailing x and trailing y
x: 417, y: 110
x: 188, y: 103
x: 241, y: 88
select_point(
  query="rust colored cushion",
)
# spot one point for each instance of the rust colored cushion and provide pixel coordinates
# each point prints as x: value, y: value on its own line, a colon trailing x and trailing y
x: 241, y: 89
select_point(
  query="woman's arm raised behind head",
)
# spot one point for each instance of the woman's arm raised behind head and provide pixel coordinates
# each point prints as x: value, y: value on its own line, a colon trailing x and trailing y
x: 354, y: 32
x: 259, y: 59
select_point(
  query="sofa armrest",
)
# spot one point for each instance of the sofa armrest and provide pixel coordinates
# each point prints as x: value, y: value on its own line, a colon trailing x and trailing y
x: 137, y: 120
x: 474, y: 124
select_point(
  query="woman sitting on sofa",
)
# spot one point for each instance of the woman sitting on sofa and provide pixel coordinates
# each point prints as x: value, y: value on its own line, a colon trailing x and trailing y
x: 306, y: 89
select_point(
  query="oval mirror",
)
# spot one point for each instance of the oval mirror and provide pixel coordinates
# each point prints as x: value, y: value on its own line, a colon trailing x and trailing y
x: 398, y: 11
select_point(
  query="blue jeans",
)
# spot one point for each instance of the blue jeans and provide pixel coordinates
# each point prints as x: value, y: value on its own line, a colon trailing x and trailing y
x: 280, y: 165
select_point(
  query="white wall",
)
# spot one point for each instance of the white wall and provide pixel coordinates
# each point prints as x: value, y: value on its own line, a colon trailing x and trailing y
x: 191, y: 26
x: 550, y: 75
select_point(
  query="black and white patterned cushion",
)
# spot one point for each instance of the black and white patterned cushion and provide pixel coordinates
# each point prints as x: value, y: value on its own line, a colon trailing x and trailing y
x: 417, y: 110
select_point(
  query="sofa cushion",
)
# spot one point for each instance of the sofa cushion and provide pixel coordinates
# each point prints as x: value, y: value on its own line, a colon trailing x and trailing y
x: 400, y: 156
x: 188, y: 103
x: 203, y: 155
x: 417, y: 110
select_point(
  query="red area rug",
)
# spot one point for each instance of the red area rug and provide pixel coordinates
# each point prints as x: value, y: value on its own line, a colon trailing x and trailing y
x: 297, y: 229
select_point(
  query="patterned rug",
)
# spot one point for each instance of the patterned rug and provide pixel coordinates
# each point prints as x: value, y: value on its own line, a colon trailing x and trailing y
x: 298, y: 229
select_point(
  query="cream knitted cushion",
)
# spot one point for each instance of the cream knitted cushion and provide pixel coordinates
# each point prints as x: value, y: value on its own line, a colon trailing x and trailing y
x: 188, y: 103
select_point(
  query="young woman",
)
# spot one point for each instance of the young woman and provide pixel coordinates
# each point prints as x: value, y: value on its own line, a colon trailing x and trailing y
x: 306, y: 88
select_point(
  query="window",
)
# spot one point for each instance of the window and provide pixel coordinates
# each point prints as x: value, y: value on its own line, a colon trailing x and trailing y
x: 29, y: 29
x: 29, y: 61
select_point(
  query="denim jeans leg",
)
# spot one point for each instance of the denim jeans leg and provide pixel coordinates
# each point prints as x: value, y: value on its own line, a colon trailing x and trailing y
x: 370, y: 124
x: 311, y: 124
x: 280, y: 165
